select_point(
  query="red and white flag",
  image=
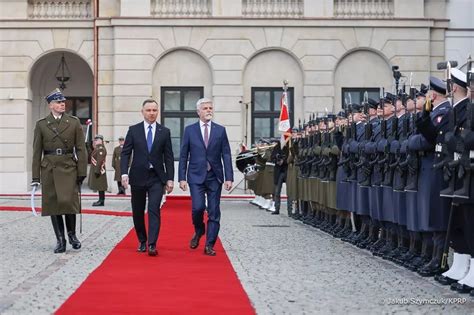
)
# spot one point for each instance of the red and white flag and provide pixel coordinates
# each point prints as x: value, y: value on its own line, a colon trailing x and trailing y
x: 284, y: 123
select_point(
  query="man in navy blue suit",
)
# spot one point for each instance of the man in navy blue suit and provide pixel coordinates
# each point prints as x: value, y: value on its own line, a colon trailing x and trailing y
x: 205, y: 164
x: 152, y: 170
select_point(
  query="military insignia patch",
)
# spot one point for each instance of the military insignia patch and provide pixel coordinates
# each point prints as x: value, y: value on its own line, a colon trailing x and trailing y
x: 438, y: 119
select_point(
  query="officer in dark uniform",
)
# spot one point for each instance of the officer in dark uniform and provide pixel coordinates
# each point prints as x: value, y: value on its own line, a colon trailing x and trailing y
x: 60, y: 165
x: 97, y: 174
x: 279, y: 158
x: 461, y: 273
x: 369, y: 231
x: 433, y: 210
x: 356, y: 136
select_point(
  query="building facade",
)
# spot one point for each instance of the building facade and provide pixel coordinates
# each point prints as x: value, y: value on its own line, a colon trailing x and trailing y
x: 238, y: 52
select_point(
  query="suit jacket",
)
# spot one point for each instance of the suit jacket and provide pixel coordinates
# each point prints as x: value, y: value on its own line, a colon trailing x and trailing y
x: 160, y: 157
x: 195, y: 152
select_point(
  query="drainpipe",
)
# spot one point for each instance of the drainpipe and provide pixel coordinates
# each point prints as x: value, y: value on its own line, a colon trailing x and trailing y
x: 95, y: 105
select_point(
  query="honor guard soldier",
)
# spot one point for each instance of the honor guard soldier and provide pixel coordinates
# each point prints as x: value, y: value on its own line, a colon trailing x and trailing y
x: 279, y: 157
x: 433, y: 210
x: 97, y: 175
x: 461, y: 274
x: 116, y: 165
x: 60, y: 165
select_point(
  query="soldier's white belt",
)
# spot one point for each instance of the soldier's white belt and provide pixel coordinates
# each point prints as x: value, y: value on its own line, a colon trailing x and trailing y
x: 270, y: 164
x: 438, y: 148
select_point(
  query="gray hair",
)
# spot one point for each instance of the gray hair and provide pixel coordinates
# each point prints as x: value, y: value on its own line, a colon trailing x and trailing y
x: 202, y: 101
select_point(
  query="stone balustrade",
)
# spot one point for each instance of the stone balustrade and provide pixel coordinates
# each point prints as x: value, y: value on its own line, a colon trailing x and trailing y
x: 273, y: 8
x: 381, y: 9
x: 181, y: 8
x: 59, y: 9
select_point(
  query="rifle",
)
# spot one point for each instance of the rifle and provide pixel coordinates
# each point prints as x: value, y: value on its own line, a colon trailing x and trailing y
x: 353, y: 156
x: 411, y: 164
x: 400, y: 168
x: 466, y: 163
x: 345, y: 157
x: 364, y: 158
x: 389, y: 158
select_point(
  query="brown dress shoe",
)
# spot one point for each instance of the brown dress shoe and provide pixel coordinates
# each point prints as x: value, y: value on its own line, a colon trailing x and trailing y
x: 209, y: 251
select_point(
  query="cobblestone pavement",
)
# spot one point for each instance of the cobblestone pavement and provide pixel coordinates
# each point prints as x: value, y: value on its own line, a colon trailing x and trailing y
x: 285, y: 266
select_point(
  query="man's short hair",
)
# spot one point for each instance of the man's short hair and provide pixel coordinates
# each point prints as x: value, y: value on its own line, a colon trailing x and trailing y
x: 149, y: 100
x: 202, y: 101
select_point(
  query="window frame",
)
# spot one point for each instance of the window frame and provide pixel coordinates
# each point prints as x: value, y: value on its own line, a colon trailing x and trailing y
x: 74, y: 108
x: 273, y: 113
x: 181, y: 113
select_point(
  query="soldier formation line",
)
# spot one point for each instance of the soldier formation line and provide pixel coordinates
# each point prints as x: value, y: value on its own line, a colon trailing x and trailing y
x: 392, y: 176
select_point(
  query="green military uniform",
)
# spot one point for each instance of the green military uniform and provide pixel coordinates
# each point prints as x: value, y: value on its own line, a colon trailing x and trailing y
x: 97, y: 175
x: 116, y: 163
x: 59, y: 157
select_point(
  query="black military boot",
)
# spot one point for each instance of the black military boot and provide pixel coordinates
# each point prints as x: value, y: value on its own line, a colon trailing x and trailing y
x: 389, y: 244
x: 422, y: 259
x: 100, y: 202
x: 58, y: 227
x: 71, y: 231
x: 380, y: 241
x: 364, y: 231
x: 433, y: 267
x: 413, y: 251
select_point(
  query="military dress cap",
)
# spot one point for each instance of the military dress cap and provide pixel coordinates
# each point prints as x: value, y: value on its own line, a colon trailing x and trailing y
x: 331, y: 117
x: 372, y: 103
x: 294, y: 129
x: 459, y: 77
x: 357, y: 108
x: 422, y: 91
x: 389, y: 98
x: 101, y: 137
x: 342, y: 114
x: 55, y: 95
x: 437, y: 85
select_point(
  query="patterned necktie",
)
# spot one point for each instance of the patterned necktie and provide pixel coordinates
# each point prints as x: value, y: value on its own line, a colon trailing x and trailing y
x: 206, y: 135
x: 149, y: 138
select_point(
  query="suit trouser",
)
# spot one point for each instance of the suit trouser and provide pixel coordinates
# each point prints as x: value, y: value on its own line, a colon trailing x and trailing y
x: 154, y: 189
x: 212, y: 188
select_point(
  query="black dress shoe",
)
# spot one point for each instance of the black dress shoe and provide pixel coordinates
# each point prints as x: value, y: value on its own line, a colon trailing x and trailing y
x: 141, y: 247
x: 195, y: 241
x: 98, y: 203
x: 76, y: 244
x: 209, y: 251
x: 152, y: 250
x: 444, y: 280
x: 472, y: 293
x: 275, y: 212
x: 60, y: 246
x: 461, y: 288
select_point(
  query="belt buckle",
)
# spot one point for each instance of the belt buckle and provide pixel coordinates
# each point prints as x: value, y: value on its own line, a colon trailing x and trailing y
x: 59, y: 151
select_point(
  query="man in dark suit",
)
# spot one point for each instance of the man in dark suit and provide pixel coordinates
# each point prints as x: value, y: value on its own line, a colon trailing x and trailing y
x: 204, y: 160
x: 151, y: 170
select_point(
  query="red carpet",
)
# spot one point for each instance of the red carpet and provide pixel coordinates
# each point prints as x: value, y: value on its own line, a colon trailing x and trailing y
x: 178, y: 281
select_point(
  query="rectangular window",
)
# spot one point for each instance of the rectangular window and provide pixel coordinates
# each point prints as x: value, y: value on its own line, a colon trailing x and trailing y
x: 356, y: 95
x: 81, y: 107
x: 266, y: 111
x: 178, y: 108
